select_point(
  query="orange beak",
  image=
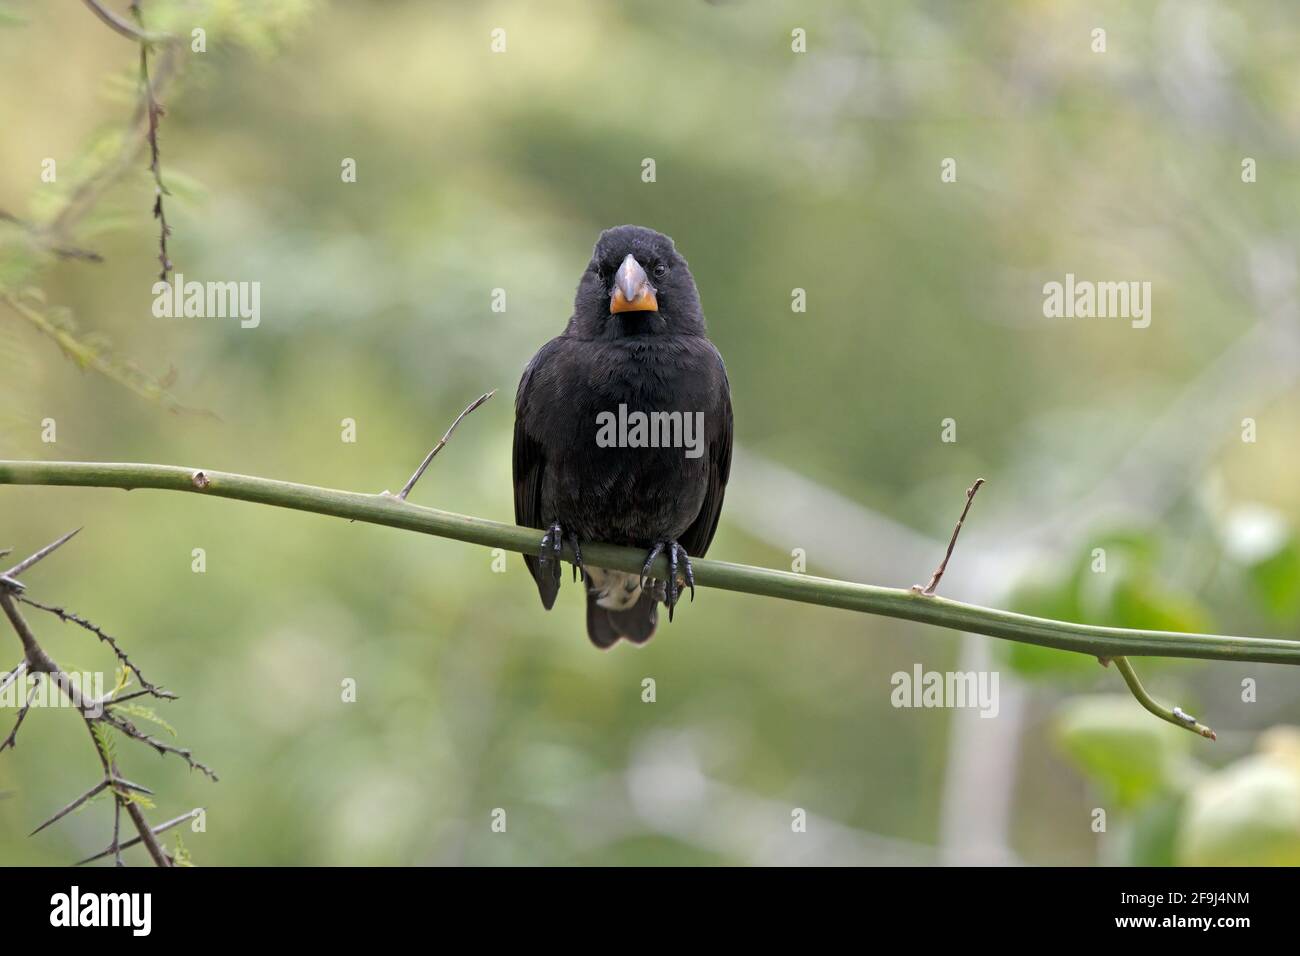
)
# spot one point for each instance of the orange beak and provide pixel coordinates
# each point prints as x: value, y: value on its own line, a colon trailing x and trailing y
x: 632, y: 289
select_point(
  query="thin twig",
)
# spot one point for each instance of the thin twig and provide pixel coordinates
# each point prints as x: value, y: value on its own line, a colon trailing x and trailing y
x: 952, y: 542
x: 12, y: 739
x: 36, y: 660
x: 162, y: 827
x: 125, y: 27
x: 38, y: 237
x: 1175, y: 716
x: 155, y: 112
x: 159, y: 692
x: 121, y: 802
x: 406, y: 489
x: 65, y: 615
x: 89, y: 190
x: 163, y: 748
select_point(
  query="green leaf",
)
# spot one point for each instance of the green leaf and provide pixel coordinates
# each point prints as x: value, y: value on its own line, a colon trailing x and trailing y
x: 104, y: 740
x: 140, y: 799
x: 181, y: 855
x: 142, y: 712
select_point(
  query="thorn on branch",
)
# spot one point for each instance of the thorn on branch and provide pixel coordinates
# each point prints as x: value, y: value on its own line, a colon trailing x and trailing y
x: 65, y: 615
x: 163, y: 748
x: 12, y: 739
x: 45, y: 552
x: 162, y: 827
x: 154, y: 112
x: 929, y: 589
x: 93, y: 713
x: 128, y: 785
x: 157, y: 692
x: 71, y: 806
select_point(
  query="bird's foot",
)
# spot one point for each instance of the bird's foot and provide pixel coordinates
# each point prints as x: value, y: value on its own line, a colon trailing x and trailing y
x: 553, y: 542
x: 673, y: 586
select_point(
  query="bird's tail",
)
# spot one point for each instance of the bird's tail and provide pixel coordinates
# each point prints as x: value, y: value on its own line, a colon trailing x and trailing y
x: 636, y: 623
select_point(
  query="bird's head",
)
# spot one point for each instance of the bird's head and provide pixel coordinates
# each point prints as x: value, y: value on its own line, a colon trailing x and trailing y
x: 636, y: 284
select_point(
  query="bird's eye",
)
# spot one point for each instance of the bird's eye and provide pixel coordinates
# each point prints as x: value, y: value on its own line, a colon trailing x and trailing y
x: 660, y: 271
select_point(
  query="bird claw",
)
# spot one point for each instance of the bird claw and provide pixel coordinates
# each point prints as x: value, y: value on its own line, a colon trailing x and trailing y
x: 650, y: 559
x: 579, y: 572
x: 552, y: 548
x: 672, y: 588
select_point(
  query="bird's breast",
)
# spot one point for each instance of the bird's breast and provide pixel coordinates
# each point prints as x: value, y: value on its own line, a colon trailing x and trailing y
x: 637, y: 419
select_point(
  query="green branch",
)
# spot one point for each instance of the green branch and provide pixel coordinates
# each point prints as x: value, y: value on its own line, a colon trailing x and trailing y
x: 383, y: 509
x: 1175, y: 716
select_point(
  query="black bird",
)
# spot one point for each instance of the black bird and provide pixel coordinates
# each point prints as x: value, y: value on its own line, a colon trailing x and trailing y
x: 623, y: 433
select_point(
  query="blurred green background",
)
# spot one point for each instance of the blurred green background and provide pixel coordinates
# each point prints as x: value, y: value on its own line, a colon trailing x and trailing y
x: 775, y: 170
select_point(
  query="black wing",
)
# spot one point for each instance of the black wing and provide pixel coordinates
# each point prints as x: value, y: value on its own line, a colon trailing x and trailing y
x: 699, y: 535
x: 529, y: 466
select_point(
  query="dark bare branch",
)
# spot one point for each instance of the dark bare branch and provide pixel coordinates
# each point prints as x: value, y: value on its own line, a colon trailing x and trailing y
x: 12, y: 739
x: 161, y: 828
x: 65, y: 615
x: 93, y: 714
x: 163, y: 748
